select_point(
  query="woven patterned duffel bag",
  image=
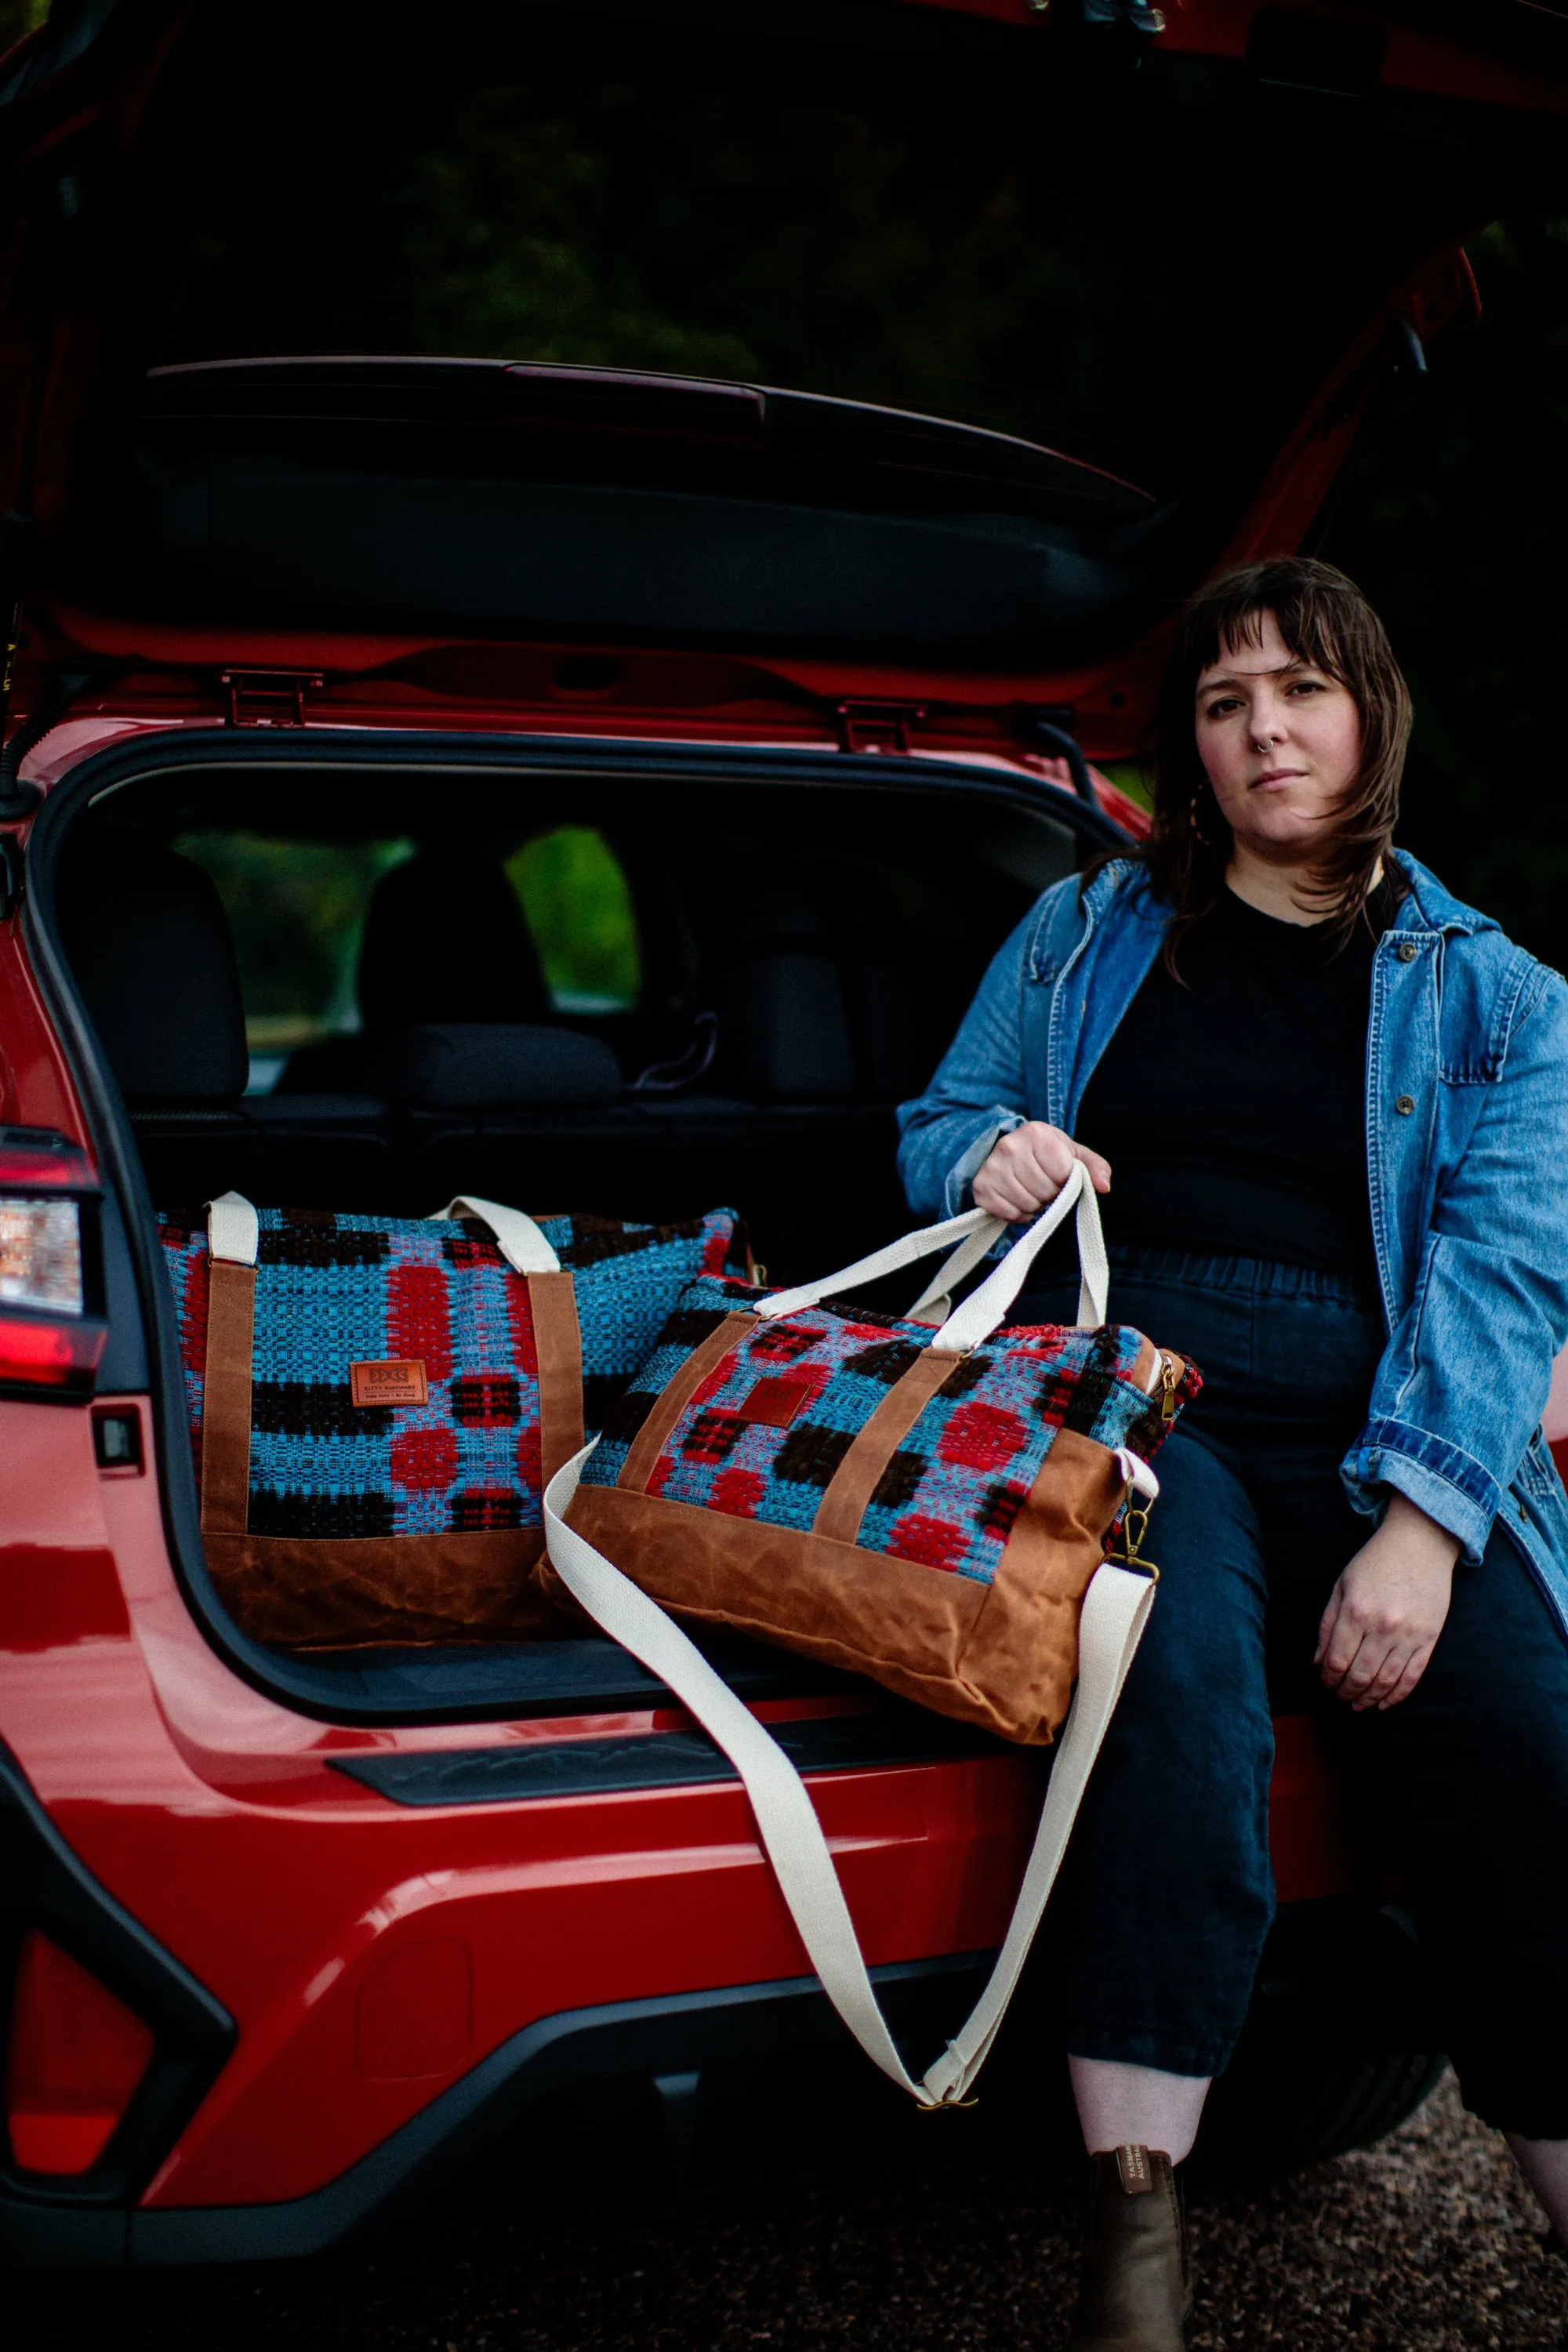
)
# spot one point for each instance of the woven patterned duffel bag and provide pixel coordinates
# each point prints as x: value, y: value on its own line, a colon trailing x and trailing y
x: 929, y: 1507
x: 376, y: 1402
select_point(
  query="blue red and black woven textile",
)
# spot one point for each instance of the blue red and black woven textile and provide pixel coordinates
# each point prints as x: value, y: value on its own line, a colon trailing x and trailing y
x: 951, y: 1494
x: 333, y: 1290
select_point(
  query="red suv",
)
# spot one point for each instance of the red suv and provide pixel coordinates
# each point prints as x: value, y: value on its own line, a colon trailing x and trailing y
x: 698, y: 668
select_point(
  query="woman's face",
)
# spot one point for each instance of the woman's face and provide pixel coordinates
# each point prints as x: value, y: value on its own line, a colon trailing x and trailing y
x: 1281, y: 741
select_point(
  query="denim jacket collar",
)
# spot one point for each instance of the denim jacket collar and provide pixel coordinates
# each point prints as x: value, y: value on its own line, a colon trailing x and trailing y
x: 1427, y: 906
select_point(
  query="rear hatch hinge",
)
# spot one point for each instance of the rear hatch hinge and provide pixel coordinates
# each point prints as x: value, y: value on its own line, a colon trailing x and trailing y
x: 269, y: 697
x: 877, y: 726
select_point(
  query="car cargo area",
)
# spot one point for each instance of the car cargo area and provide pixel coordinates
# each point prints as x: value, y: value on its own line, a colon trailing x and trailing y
x: 640, y: 987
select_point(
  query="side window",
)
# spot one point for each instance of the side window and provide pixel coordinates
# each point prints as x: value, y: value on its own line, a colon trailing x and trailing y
x: 296, y: 909
x: 579, y: 910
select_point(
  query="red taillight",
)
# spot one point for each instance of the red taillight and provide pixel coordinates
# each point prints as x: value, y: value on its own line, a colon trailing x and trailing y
x: 49, y: 1337
x: 76, y: 2057
x: 46, y: 1355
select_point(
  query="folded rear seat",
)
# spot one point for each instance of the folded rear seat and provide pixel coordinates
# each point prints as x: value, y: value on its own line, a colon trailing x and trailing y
x: 501, y: 1108
x: 149, y: 944
x: 492, y: 1067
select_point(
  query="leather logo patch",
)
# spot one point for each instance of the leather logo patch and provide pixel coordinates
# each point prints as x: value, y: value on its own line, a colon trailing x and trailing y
x: 401, y: 1383
x: 774, y: 1402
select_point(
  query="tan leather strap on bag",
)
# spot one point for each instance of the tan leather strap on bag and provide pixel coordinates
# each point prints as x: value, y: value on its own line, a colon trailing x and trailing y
x: 226, y: 1399
x: 842, y: 1507
x: 558, y: 1342
x: 675, y: 1396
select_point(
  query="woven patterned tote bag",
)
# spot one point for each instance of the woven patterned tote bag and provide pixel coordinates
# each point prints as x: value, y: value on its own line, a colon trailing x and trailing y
x: 376, y: 1403
x: 929, y: 1507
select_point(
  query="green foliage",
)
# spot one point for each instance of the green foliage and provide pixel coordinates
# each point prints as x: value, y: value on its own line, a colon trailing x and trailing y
x: 804, y: 246
x: 19, y: 17
x: 848, y: 243
x: 1132, y: 777
x: 296, y: 909
x: 580, y: 912
x: 510, y: 248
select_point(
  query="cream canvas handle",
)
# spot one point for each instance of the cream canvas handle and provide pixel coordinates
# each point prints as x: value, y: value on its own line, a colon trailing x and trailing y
x: 517, y: 1238
x: 234, y: 1229
x: 233, y: 1232
x: 891, y: 1259
x: 975, y: 1232
x: 988, y: 1306
x: 934, y: 1304
x: 1115, y: 1611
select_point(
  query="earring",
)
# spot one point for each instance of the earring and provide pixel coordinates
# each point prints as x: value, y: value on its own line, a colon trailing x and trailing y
x: 1198, y: 833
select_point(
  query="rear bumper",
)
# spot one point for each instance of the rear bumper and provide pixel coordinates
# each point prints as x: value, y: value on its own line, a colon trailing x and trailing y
x: 665, y: 2042
x: 670, y: 2041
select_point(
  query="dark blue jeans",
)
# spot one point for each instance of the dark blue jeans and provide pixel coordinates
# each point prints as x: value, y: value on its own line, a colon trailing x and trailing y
x: 1167, y: 1893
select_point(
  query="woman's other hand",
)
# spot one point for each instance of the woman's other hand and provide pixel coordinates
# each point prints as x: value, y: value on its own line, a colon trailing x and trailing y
x: 1382, y: 1623
x: 1029, y: 1167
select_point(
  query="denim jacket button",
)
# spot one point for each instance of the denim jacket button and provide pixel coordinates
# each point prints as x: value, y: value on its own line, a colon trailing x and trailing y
x: 1405, y: 1104
x: 1408, y: 952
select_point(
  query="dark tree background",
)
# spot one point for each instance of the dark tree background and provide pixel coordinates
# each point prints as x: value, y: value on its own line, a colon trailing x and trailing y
x: 1454, y: 516
x: 1456, y: 520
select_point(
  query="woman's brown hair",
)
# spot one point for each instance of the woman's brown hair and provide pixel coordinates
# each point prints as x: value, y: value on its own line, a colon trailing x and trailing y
x: 1323, y: 619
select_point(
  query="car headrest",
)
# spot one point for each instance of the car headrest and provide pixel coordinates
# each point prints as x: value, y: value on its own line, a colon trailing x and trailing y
x: 148, y: 940
x: 446, y: 939
x: 484, y: 1065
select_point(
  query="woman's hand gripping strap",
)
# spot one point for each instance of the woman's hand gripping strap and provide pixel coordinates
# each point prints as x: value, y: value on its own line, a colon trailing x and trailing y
x: 974, y: 1233
x: 1114, y: 1613
x: 985, y: 1308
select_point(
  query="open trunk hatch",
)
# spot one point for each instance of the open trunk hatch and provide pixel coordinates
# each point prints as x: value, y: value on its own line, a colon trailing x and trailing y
x: 772, y: 333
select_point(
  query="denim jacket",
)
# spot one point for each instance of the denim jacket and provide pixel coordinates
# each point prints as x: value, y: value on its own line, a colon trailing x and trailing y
x: 1466, y: 1135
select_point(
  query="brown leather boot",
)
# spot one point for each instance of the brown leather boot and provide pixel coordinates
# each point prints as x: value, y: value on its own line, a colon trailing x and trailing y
x: 1135, y: 2294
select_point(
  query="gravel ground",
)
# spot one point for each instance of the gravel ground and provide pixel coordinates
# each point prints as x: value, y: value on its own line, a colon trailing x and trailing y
x: 1428, y: 2240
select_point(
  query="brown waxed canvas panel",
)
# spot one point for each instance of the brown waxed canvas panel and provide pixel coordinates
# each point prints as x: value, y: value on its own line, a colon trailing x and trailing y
x: 299, y: 1592
x: 1002, y: 1655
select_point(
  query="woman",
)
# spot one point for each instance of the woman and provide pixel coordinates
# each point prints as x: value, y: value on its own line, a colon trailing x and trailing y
x: 1335, y: 1102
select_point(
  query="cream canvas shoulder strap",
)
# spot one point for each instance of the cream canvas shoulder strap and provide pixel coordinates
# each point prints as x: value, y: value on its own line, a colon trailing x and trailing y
x: 1115, y: 1611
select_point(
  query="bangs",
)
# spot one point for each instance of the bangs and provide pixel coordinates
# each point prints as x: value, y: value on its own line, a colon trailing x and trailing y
x: 1310, y: 625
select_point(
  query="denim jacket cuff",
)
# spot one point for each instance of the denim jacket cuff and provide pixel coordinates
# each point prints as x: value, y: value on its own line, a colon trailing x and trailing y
x: 1450, y: 1484
x: 956, y: 1196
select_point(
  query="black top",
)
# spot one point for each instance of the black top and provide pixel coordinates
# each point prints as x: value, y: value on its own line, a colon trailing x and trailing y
x: 1233, y: 1108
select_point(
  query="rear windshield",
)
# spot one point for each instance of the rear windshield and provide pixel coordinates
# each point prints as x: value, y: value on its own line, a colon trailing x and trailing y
x: 913, y: 213
x: 297, y: 909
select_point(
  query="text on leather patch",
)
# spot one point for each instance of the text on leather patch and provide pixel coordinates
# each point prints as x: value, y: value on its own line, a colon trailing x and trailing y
x: 775, y: 1401
x: 390, y: 1383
